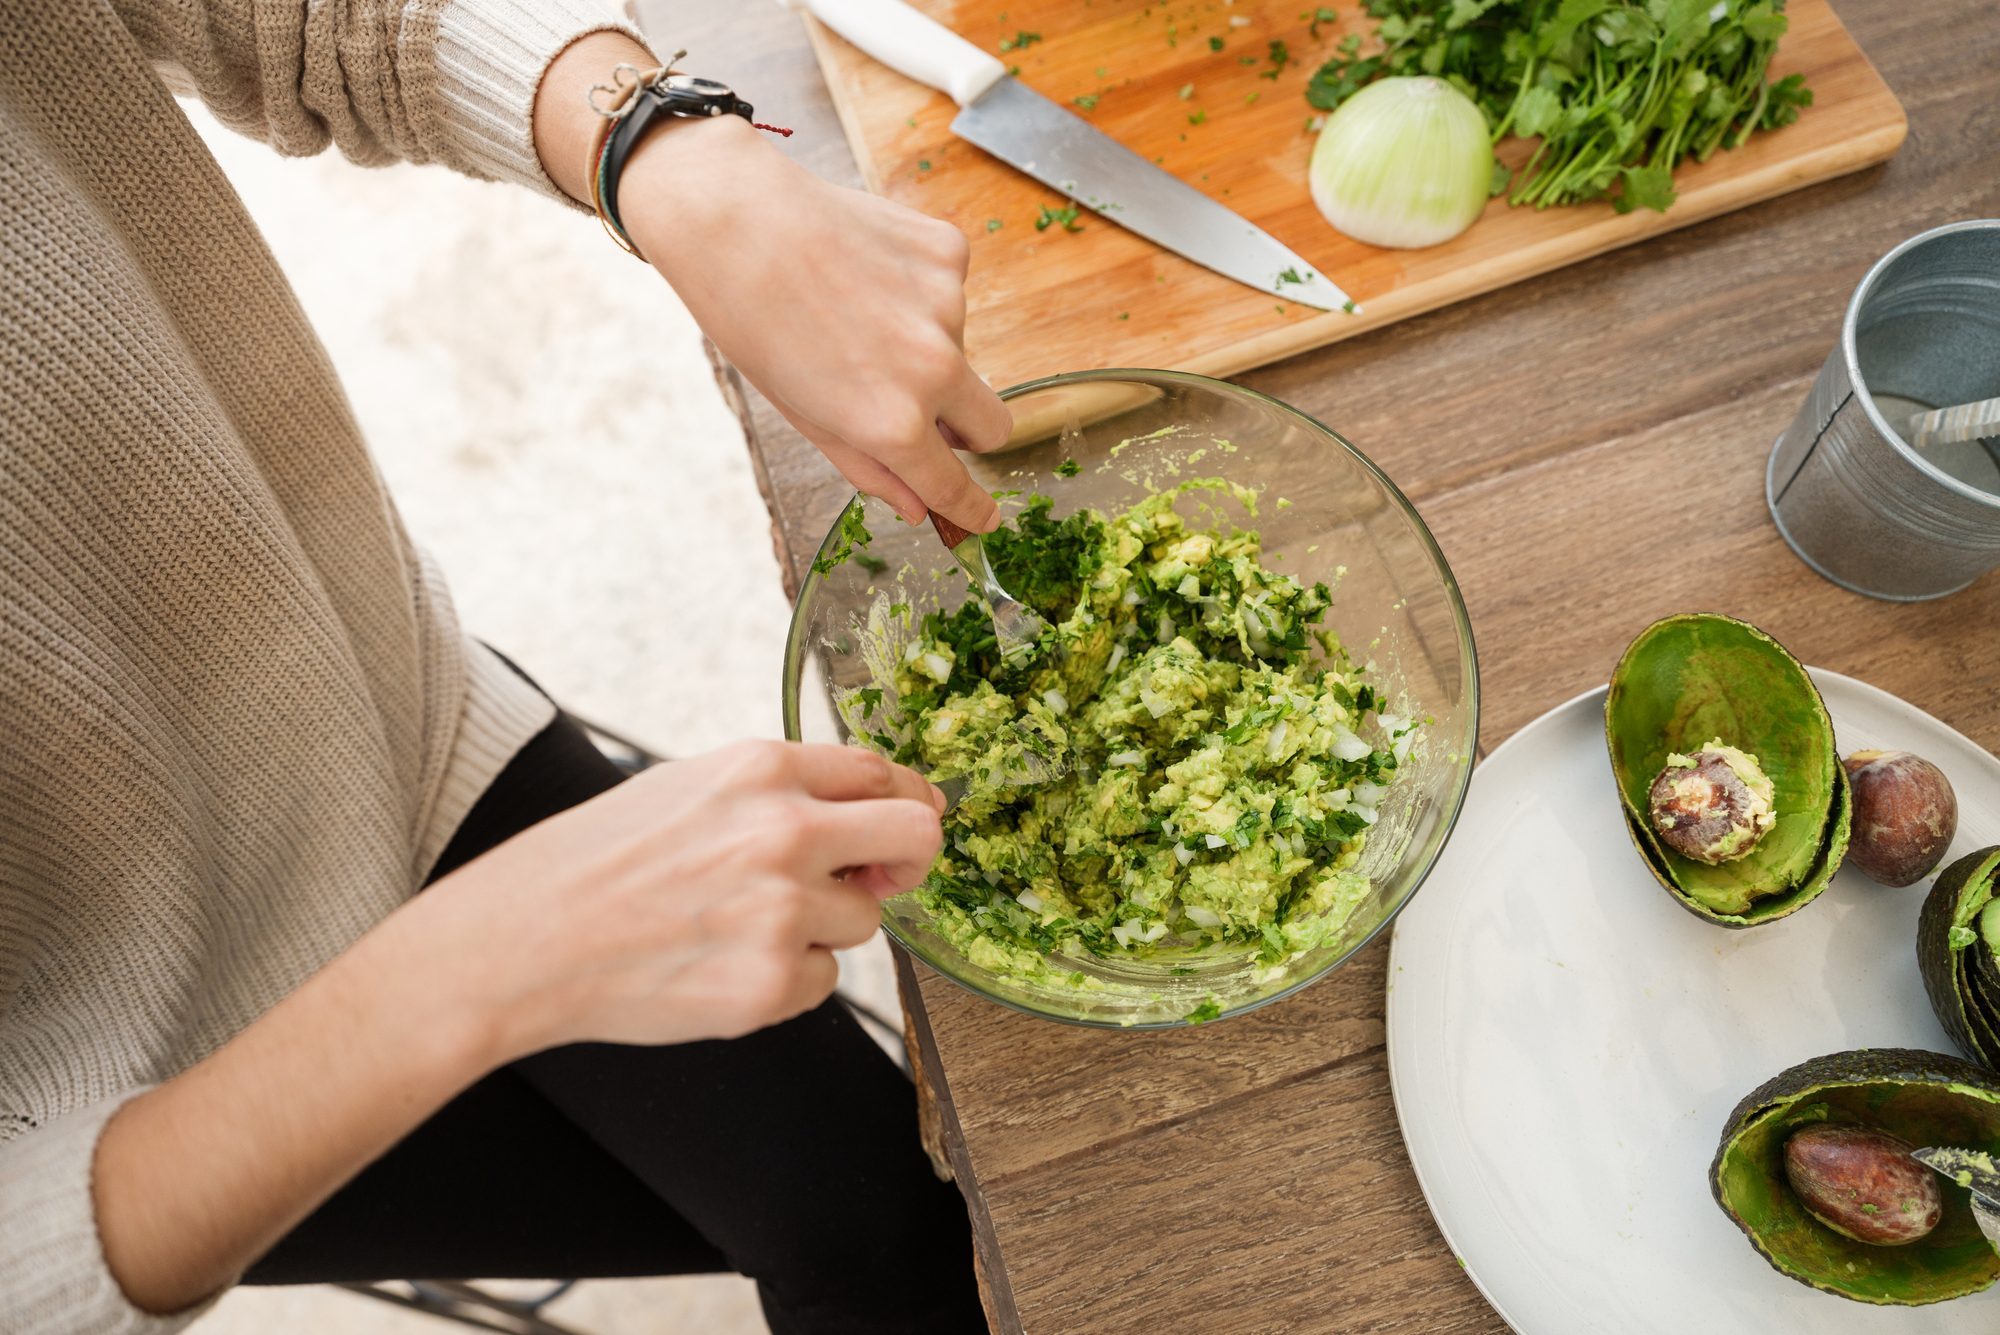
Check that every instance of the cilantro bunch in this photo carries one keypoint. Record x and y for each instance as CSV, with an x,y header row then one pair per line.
x,y
1617,91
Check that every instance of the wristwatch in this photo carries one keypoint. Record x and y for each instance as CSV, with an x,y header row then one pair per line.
x,y
669,97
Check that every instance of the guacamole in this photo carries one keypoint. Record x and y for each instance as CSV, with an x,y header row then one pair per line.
x,y
1187,761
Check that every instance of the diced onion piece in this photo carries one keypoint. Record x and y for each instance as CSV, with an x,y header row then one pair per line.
x,y
1057,702
1282,844
1031,901
1369,815
1156,704
1214,840
1117,657
913,651
936,666
1368,794
1391,723
1125,759
990,876
1167,827
1153,932
1183,855
1276,746
1164,630
1133,598
1347,746
1401,746
1335,799
1202,917
1189,587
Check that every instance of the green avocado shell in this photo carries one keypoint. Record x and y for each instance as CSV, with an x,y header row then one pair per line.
x,y
1688,679
1960,979
1926,1098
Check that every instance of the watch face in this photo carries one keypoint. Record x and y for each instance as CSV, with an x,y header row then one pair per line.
x,y
695,86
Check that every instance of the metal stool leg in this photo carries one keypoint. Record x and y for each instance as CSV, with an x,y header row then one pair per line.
x,y
471,1306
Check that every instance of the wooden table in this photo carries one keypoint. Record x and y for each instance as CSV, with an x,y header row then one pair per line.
x,y
1589,449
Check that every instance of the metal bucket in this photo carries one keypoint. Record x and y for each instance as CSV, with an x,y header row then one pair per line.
x,y
1853,499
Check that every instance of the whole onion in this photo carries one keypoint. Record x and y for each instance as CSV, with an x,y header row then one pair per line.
x,y
1404,163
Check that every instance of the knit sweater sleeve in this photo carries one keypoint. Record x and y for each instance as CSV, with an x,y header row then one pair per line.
x,y
53,1276
450,81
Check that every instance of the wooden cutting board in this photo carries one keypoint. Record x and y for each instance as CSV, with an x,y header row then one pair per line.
x,y
1054,300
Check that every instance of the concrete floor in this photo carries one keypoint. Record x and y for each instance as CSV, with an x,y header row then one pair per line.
x,y
542,408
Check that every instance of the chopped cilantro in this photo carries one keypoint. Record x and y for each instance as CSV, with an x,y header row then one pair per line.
x,y
1215,43
1066,215
850,533
1020,41
1280,56
1198,116
992,224
1208,1010
1324,14
870,698
1068,468
1088,101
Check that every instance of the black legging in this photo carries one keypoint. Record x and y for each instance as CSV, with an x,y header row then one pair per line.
x,y
790,1155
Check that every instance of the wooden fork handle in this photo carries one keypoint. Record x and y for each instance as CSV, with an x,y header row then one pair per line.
x,y
949,533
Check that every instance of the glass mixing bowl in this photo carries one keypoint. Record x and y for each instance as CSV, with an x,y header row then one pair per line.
x,y
1395,604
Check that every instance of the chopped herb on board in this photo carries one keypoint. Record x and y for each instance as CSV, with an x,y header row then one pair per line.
x,y
1088,101
1323,14
993,224
1280,56
1198,116
1215,44
1020,41
1066,216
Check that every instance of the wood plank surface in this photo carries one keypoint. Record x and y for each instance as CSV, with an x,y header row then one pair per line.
x,y
1054,300
1555,434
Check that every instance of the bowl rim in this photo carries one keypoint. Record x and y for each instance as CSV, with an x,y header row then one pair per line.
x,y
792,670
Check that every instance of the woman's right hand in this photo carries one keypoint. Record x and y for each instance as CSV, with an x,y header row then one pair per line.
x,y
701,899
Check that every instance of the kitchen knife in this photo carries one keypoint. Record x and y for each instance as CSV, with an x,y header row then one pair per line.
x,y
1973,1170
1034,135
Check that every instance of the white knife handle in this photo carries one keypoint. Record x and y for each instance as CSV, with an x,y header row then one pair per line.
x,y
910,43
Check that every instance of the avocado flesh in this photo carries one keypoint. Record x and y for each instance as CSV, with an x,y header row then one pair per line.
x,y
1955,954
1688,679
1924,1097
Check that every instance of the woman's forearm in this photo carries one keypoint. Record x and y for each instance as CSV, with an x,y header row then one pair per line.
x,y
196,1179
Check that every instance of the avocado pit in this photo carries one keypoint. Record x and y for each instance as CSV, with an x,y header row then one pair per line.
x,y
1863,1184
1712,806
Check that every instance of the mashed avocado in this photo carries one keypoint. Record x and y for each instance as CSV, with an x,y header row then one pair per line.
x,y
1211,782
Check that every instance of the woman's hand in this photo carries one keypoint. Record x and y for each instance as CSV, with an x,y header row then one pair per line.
x,y
845,310
702,899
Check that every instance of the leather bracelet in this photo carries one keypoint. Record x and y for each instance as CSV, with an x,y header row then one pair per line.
x,y
663,97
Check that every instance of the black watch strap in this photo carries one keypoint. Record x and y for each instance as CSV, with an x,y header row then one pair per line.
x,y
672,97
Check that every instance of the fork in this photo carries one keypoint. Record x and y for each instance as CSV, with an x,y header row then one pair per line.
x,y
1018,628
1015,624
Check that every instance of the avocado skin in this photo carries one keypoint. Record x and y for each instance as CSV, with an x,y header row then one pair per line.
x,y
1954,993
1860,1066
1836,830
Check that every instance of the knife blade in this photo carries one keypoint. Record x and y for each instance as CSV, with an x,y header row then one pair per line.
x,y
1028,132
1976,1171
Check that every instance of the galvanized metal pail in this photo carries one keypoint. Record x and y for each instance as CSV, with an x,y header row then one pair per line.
x,y
1849,494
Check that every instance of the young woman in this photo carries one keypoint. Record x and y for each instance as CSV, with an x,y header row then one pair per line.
x,y
240,728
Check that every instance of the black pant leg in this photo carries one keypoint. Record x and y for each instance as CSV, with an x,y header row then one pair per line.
x,y
793,1152
497,1184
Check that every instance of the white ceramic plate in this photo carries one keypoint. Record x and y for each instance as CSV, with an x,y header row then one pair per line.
x,y
1565,1041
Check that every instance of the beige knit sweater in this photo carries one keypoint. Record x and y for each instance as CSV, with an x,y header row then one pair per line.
x,y
238,720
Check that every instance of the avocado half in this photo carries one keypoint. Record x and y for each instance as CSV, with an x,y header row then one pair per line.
x,y
1958,952
1926,1098
1691,678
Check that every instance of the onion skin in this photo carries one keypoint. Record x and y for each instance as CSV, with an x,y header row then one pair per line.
x,y
1404,163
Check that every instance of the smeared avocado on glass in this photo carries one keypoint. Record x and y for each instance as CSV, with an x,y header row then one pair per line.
x,y
1924,1098
1724,759
1219,756
1958,952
